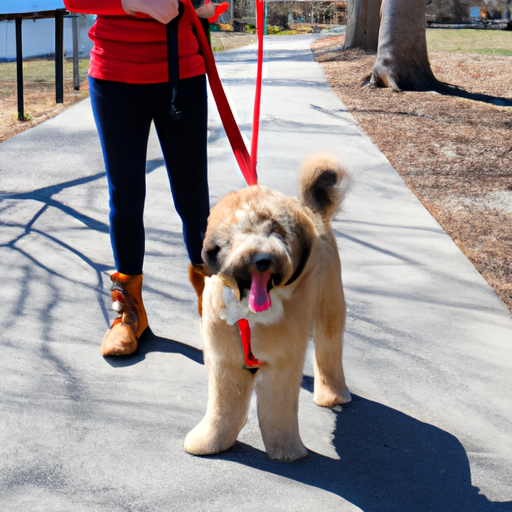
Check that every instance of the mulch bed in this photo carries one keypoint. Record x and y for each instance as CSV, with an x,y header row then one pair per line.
x,y
454,154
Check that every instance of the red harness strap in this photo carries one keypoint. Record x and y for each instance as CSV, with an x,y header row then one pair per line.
x,y
250,362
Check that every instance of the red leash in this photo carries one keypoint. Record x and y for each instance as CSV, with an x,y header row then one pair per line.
x,y
250,362
246,162
260,8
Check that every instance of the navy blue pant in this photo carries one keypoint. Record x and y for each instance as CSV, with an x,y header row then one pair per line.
x,y
124,113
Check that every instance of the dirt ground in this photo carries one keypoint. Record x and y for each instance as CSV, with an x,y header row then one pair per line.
x,y
39,102
454,154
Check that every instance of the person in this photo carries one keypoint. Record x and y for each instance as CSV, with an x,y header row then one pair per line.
x,y
131,88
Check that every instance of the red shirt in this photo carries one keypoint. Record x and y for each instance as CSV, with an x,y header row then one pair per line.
x,y
133,49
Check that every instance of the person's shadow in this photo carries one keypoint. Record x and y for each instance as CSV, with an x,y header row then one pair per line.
x,y
388,461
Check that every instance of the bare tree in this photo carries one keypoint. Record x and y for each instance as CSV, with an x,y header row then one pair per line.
x,y
362,25
402,58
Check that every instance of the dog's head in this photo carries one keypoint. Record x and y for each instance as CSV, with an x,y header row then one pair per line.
x,y
257,239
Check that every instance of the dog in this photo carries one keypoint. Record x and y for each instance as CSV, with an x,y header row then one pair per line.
x,y
273,261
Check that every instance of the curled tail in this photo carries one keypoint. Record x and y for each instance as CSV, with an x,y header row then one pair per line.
x,y
323,184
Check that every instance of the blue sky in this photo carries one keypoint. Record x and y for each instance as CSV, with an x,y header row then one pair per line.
x,y
21,6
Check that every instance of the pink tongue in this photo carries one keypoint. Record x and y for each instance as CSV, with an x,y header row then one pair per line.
x,y
259,299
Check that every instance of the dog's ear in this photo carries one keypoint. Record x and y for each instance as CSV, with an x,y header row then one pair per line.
x,y
212,265
210,254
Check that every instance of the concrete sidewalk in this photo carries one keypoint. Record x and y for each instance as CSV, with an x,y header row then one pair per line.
x,y
428,350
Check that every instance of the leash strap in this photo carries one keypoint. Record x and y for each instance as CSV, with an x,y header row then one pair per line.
x,y
173,61
260,8
246,162
230,126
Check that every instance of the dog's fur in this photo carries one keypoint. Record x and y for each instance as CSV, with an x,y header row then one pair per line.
x,y
248,231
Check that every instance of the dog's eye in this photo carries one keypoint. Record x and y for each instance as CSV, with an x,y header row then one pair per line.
x,y
276,228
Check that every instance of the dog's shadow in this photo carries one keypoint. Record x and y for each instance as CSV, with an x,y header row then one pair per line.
x,y
388,462
149,342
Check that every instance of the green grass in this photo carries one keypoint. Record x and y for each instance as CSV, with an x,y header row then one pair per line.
x,y
490,42
40,70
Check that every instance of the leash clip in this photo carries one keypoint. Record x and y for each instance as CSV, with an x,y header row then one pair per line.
x,y
174,113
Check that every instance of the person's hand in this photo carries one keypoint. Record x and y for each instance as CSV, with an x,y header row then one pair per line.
x,y
211,10
207,10
162,10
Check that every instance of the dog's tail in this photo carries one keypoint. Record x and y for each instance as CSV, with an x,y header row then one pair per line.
x,y
323,184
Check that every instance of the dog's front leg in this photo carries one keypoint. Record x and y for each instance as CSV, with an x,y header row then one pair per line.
x,y
277,390
229,385
229,394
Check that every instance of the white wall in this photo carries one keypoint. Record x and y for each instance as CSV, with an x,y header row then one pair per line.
x,y
38,38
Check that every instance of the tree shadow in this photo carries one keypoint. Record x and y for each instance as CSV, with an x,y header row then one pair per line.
x,y
48,197
388,461
150,342
446,89
432,84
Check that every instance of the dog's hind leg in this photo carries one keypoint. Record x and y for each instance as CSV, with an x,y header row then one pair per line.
x,y
330,388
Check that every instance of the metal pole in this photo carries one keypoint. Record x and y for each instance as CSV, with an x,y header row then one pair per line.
x,y
265,18
19,69
76,57
59,56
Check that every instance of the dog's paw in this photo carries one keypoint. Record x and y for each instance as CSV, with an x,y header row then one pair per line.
x,y
203,441
325,396
289,453
196,444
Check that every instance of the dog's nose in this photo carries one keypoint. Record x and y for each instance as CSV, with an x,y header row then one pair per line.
x,y
263,265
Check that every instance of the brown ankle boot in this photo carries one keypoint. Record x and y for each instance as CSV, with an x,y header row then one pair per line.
x,y
196,275
121,338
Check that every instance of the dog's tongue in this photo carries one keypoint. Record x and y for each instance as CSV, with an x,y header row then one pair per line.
x,y
259,299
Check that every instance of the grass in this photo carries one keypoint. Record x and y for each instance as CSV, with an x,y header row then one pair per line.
x,y
40,70
489,42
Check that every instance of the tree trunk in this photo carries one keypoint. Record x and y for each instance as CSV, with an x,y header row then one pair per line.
x,y
362,25
402,58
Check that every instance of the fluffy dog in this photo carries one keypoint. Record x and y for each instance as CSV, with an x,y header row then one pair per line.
x,y
273,261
